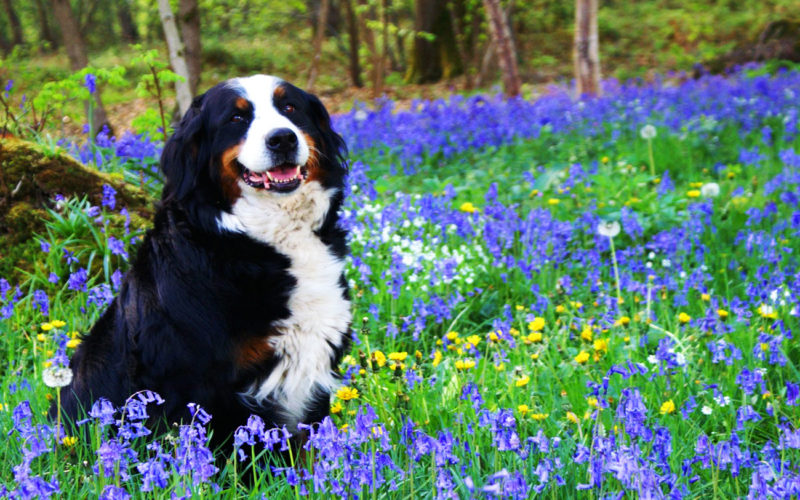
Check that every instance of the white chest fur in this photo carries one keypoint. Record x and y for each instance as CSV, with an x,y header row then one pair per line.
x,y
319,314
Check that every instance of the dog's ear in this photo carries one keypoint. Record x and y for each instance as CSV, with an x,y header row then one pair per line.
x,y
334,147
180,160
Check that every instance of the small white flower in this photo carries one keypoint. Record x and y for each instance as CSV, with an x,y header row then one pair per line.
x,y
710,190
652,359
666,263
57,376
651,255
706,410
609,229
648,132
360,115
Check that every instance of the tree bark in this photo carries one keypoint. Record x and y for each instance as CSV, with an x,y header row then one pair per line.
x,y
78,59
319,37
128,30
504,44
45,32
352,34
586,50
189,21
177,55
13,20
433,59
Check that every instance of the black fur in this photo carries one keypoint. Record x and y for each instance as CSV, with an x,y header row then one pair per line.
x,y
195,294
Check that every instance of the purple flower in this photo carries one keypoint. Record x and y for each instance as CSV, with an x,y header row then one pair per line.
x,y
90,81
41,302
109,197
117,247
77,280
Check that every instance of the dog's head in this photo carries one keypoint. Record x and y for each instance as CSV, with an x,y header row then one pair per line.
x,y
253,136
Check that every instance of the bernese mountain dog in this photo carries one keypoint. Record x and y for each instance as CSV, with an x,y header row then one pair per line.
x,y
236,299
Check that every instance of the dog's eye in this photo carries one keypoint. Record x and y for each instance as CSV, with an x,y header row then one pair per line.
x,y
288,108
237,118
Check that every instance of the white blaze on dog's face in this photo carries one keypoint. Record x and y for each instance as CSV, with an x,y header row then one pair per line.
x,y
275,152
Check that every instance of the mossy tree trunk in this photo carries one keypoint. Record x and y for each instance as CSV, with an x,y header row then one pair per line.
x,y
436,58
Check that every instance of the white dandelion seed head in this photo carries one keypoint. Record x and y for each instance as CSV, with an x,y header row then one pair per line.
x,y
706,410
648,132
608,228
57,376
710,190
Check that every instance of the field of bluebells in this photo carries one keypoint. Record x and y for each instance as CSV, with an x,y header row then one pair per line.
x,y
595,298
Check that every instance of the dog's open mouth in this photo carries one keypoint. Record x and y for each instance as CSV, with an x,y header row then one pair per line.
x,y
283,178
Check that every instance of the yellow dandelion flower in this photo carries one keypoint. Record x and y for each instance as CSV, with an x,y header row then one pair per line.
x,y
560,308
336,408
501,367
667,407
535,356
41,337
586,333
47,326
592,402
764,346
380,358
693,193
600,345
604,159
493,337
347,393
73,343
553,201
398,356
451,336
684,318
474,340
437,358
705,297
536,325
722,313
468,207
57,323
513,331
465,364
535,337
523,381
622,321
519,307
523,409
344,427
572,417
69,441
539,416
582,357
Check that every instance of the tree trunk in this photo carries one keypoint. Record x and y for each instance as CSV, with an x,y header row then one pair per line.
x,y
506,53
76,52
128,30
176,55
586,51
433,59
319,37
45,32
352,34
189,21
13,20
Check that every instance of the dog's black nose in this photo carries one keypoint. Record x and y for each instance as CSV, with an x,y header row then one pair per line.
x,y
282,140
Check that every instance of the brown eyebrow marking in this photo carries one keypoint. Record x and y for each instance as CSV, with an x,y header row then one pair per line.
x,y
242,103
279,92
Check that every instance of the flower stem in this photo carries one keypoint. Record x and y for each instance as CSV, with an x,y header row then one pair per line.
x,y
616,270
652,161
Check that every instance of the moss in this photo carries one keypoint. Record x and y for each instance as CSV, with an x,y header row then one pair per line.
x,y
30,177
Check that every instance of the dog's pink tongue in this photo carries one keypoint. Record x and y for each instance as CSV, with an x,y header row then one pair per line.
x,y
284,173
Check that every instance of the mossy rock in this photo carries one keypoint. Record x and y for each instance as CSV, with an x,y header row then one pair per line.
x,y
30,178
778,41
